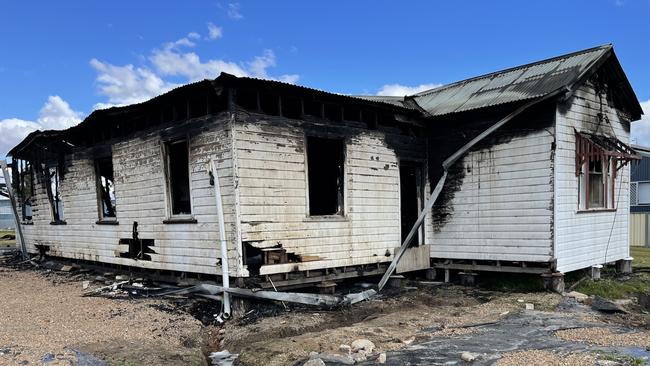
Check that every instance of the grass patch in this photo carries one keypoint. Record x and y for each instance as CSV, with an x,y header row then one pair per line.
x,y
7,243
624,360
641,256
610,288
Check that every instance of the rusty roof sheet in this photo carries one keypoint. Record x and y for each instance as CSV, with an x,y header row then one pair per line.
x,y
511,85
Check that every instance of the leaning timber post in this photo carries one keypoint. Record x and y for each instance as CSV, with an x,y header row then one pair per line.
x,y
19,230
222,239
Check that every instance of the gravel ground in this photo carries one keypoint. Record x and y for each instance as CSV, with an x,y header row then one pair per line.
x,y
606,337
545,358
42,319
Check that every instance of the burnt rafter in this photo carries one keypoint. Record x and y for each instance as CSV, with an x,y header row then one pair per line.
x,y
591,147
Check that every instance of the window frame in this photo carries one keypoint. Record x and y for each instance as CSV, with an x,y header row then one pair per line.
x,y
57,213
99,188
638,202
613,155
608,185
25,198
172,218
343,214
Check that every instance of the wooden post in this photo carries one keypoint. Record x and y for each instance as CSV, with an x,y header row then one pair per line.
x,y
12,198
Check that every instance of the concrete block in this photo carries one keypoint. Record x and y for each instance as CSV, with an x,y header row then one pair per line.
x,y
594,272
553,282
624,265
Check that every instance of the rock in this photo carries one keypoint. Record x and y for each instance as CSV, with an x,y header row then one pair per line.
x,y
47,358
314,362
121,278
579,296
468,357
334,358
101,279
530,306
345,349
85,284
223,357
363,344
66,268
359,357
313,354
520,300
381,358
606,306
623,302
408,341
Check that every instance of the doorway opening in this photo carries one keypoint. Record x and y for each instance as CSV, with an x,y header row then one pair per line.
x,y
410,181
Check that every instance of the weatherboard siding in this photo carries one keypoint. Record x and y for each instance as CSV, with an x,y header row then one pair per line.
x,y
140,194
587,238
272,185
502,209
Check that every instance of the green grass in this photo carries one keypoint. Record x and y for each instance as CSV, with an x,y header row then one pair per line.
x,y
624,360
6,243
641,256
610,288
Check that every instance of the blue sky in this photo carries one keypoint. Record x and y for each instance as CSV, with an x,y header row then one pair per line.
x,y
61,60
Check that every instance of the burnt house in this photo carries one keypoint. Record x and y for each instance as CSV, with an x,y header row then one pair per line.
x,y
532,162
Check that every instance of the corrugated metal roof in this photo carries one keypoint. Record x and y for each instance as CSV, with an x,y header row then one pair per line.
x,y
397,101
511,85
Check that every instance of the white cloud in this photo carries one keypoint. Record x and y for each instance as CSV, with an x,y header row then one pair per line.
x,y
233,11
173,60
641,129
258,68
214,32
402,90
127,84
12,131
56,114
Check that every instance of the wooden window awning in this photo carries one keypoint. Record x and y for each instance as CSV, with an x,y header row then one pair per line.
x,y
591,147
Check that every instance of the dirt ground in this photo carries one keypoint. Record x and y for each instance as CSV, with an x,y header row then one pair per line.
x,y
46,320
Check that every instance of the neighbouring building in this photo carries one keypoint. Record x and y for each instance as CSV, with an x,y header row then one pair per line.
x,y
316,185
640,198
6,216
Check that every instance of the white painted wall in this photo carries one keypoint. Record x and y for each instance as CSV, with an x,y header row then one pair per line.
x,y
140,193
503,209
584,239
272,186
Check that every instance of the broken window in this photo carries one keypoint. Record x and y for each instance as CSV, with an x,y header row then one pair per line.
x,y
325,159
24,187
598,159
105,188
178,177
53,175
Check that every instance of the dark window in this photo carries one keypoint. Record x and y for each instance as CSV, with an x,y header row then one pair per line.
x,y
53,176
105,188
179,177
325,159
596,184
25,187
